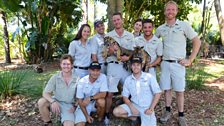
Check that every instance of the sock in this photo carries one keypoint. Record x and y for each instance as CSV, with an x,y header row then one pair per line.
x,y
181,114
168,108
107,115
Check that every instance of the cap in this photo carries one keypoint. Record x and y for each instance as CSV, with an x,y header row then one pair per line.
x,y
136,60
94,65
97,22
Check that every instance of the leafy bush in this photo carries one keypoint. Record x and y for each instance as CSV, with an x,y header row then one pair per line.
x,y
10,82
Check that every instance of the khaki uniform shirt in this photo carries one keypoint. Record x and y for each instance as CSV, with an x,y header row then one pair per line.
x,y
154,47
174,39
61,91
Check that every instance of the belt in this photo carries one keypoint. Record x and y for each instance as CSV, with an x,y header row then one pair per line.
x,y
172,61
103,63
84,68
113,62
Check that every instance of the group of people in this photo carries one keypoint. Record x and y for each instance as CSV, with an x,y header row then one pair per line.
x,y
87,81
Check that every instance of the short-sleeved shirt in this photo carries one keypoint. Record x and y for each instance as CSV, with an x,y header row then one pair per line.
x,y
125,41
174,39
62,92
142,90
97,41
80,53
154,47
86,89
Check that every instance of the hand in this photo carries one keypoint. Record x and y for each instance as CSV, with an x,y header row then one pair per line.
x,y
134,111
72,109
110,50
149,111
55,108
185,62
86,101
89,119
124,58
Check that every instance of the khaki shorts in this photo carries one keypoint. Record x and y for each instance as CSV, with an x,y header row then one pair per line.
x,y
172,76
146,120
80,117
115,74
65,114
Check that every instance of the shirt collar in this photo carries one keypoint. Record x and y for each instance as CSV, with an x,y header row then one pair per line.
x,y
176,23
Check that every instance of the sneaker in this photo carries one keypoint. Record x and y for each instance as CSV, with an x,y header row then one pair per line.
x,y
165,117
182,121
136,122
106,121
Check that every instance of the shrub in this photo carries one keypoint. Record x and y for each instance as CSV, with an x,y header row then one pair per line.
x,y
10,82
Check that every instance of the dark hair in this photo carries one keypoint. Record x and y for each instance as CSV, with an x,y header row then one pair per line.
x,y
147,21
65,57
79,34
138,20
118,13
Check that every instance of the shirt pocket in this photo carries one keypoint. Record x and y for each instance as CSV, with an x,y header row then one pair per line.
x,y
86,91
95,90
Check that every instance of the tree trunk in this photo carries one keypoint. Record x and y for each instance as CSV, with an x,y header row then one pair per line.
x,y
220,19
6,38
113,6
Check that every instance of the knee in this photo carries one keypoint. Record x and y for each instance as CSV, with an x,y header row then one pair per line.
x,y
116,111
42,102
101,102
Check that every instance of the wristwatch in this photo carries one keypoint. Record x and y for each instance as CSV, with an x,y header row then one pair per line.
x,y
91,98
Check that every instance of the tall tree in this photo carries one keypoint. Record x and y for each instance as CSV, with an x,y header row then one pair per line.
x,y
220,18
6,37
113,6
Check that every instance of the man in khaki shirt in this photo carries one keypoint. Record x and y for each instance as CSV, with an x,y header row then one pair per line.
x,y
115,70
174,34
152,45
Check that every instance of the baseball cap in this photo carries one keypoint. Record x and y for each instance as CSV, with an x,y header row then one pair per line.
x,y
136,60
97,22
94,65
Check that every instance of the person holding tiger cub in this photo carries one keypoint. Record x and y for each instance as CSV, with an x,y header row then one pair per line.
x,y
151,44
115,71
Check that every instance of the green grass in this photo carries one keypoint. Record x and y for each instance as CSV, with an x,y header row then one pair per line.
x,y
199,74
34,83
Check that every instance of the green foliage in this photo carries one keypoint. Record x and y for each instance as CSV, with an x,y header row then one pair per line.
x,y
10,82
44,23
134,9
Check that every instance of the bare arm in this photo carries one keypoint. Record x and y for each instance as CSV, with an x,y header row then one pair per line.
x,y
155,100
83,103
94,57
54,104
157,61
196,46
99,95
134,111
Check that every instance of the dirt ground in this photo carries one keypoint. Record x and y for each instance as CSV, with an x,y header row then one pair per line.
x,y
202,108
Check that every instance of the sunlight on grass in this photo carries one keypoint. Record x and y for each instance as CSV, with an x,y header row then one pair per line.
x,y
34,83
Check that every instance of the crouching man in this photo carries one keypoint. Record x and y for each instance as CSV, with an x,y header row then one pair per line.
x,y
145,94
63,87
91,92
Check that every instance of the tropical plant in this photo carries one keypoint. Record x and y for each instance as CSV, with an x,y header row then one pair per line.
x,y
10,82
43,21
